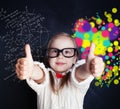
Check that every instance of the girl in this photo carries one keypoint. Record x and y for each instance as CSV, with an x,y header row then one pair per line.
x,y
65,81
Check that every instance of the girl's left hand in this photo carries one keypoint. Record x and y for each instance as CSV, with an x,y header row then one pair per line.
x,y
95,64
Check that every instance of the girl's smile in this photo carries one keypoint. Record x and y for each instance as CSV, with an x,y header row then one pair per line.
x,y
60,63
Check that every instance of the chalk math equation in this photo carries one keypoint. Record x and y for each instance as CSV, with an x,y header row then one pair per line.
x,y
18,28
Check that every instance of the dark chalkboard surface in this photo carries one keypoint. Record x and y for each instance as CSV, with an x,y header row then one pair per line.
x,y
34,22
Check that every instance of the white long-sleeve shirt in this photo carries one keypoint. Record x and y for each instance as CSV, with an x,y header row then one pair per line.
x,y
70,97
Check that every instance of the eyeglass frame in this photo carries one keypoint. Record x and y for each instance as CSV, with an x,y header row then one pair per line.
x,y
60,51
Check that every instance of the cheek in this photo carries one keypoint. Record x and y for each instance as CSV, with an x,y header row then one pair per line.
x,y
71,61
74,60
52,62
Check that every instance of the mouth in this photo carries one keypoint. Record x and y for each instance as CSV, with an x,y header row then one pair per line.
x,y
60,63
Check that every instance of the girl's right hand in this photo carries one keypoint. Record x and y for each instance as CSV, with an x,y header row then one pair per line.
x,y
24,66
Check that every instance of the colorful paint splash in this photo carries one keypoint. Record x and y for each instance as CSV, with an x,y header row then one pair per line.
x,y
105,33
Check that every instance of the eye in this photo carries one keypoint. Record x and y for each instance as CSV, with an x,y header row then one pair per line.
x,y
53,50
67,51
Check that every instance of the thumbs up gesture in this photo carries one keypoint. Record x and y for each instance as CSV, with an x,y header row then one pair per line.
x,y
94,64
24,66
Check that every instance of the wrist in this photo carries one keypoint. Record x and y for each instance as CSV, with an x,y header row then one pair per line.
x,y
36,72
84,73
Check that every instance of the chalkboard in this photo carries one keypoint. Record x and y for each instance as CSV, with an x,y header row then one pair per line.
x,y
34,22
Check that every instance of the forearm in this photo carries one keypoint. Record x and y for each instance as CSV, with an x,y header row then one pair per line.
x,y
37,74
82,73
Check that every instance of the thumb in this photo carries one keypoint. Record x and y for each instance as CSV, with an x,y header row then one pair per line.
x,y
29,58
28,52
90,57
91,53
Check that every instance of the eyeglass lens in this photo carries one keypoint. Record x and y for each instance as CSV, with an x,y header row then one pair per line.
x,y
66,52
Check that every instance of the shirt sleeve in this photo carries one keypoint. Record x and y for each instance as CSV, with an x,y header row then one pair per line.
x,y
84,85
35,86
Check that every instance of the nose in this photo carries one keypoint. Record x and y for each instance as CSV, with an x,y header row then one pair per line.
x,y
60,55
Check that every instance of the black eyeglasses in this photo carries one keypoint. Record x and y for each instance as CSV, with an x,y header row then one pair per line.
x,y
66,52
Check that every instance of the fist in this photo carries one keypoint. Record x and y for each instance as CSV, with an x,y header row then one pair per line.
x,y
24,66
95,64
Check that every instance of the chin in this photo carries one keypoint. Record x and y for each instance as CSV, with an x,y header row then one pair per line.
x,y
61,71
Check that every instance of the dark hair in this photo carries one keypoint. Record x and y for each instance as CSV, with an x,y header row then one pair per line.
x,y
66,78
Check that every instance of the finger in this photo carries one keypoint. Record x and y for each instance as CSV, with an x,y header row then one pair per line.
x,y
21,75
22,68
17,72
91,56
97,74
97,60
16,67
28,51
96,69
22,61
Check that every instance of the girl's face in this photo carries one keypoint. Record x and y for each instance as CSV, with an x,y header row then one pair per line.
x,y
62,64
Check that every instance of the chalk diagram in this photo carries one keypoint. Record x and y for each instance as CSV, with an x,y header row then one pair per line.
x,y
17,29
